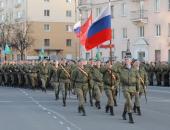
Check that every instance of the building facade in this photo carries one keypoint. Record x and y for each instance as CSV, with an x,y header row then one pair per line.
x,y
51,24
144,25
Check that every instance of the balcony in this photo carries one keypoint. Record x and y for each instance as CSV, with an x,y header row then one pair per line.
x,y
84,4
139,17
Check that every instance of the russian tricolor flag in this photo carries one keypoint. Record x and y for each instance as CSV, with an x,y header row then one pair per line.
x,y
100,30
77,29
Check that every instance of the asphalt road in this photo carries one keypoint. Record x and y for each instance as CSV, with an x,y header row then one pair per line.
x,y
22,109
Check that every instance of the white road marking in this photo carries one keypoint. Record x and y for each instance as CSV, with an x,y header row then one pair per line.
x,y
57,114
5,101
160,91
54,117
61,123
49,113
68,128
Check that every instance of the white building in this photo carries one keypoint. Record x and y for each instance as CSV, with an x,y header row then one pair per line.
x,y
146,23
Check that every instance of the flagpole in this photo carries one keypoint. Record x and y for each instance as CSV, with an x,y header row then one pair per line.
x,y
91,11
76,21
110,40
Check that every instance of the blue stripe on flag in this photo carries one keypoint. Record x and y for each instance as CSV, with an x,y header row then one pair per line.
x,y
100,25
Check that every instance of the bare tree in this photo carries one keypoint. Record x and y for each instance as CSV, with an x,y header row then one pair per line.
x,y
5,34
21,38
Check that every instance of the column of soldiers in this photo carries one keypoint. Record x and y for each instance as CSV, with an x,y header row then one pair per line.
x,y
91,78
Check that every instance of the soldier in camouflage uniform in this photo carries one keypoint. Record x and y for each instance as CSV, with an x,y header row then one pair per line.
x,y
54,81
97,82
129,79
144,77
79,78
110,79
43,74
64,79
32,76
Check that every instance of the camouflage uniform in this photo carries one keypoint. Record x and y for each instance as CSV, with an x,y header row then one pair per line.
x,y
130,85
80,81
110,79
97,84
43,75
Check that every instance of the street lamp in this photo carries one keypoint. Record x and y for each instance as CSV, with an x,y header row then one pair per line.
x,y
128,52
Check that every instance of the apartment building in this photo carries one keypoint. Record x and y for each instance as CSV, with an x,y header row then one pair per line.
x,y
144,23
51,24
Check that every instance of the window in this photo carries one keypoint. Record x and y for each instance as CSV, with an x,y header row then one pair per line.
x,y
19,14
141,31
47,12
87,55
68,1
113,33
168,29
123,9
123,54
68,13
69,28
68,42
157,55
124,32
112,11
141,56
46,42
46,27
98,10
158,29
157,6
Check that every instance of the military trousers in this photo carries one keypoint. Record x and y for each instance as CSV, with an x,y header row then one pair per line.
x,y
129,93
81,91
96,91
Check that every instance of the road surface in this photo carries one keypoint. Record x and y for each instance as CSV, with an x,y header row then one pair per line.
x,y
24,109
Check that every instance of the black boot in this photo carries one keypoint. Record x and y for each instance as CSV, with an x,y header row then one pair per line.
x,y
107,109
130,118
56,96
134,108
97,104
99,107
124,115
64,102
138,111
79,109
83,110
111,111
115,103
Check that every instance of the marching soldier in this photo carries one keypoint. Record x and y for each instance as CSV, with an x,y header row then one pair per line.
x,y
80,77
143,79
110,79
43,74
129,78
64,79
97,83
33,75
55,80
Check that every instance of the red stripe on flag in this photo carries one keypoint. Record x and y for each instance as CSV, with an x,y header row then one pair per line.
x,y
98,39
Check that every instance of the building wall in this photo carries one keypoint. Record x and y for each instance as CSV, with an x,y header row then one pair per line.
x,y
57,36
150,42
32,11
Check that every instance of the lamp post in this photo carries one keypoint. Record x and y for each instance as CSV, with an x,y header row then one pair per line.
x,y
128,52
